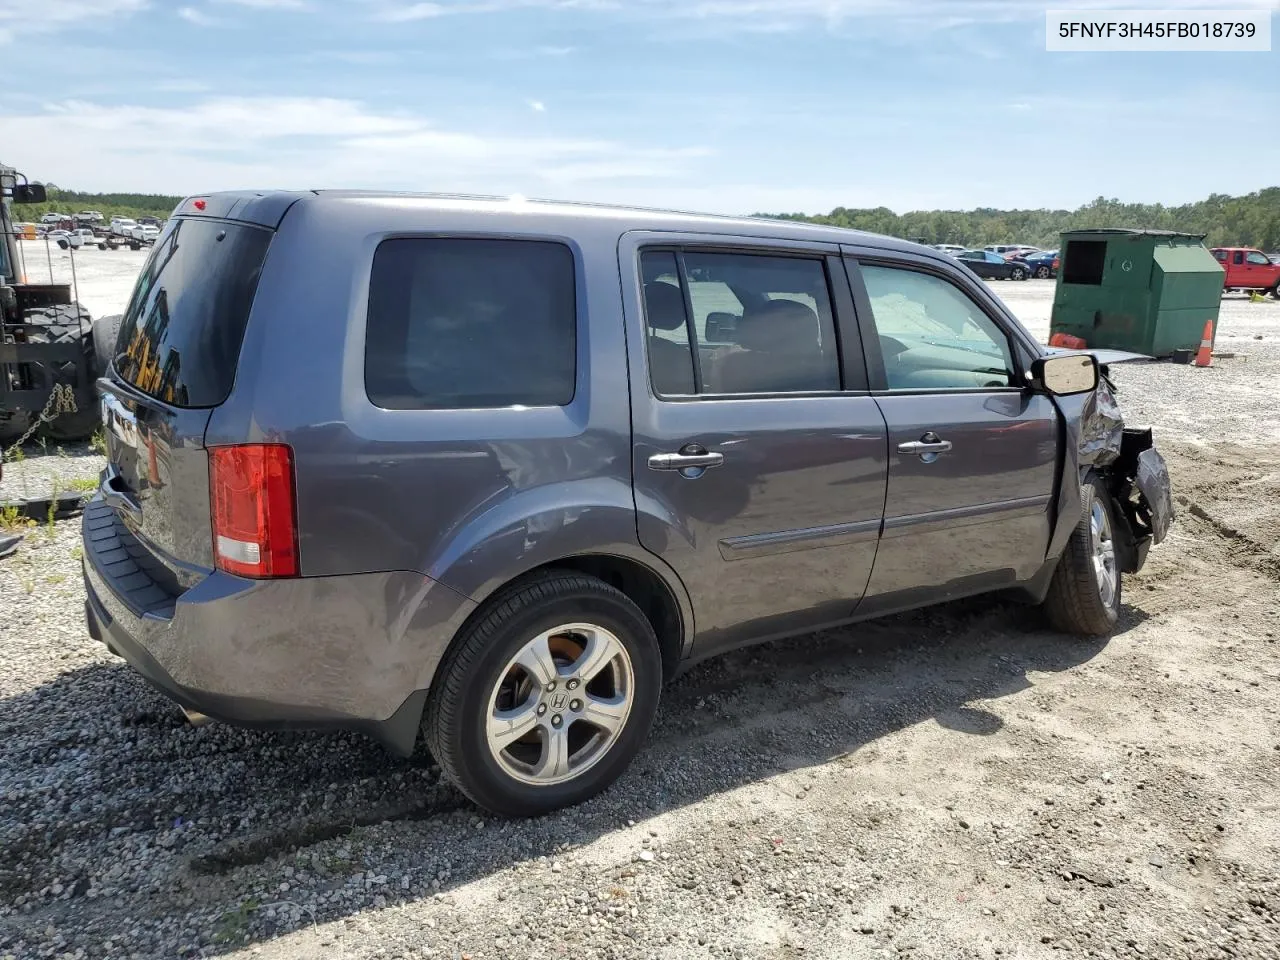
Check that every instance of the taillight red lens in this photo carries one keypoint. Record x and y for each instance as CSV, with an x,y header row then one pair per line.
x,y
251,493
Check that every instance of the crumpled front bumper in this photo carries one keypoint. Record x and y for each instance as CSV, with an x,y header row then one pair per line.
x,y
1139,481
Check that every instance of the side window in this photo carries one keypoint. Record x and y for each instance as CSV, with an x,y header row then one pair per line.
x,y
1237,257
466,323
1258,258
1221,255
757,324
932,335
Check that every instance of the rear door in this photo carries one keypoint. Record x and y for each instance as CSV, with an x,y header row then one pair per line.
x,y
175,360
972,455
759,464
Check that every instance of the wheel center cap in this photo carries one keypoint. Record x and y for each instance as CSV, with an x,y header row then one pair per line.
x,y
559,700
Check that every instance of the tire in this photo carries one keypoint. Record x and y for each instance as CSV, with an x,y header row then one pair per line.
x,y
106,331
1017,273
1078,601
1042,273
62,244
476,677
1275,291
65,323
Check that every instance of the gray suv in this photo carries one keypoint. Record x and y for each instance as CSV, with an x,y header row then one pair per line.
x,y
490,471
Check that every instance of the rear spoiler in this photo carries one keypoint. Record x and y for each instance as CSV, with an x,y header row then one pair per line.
x,y
265,208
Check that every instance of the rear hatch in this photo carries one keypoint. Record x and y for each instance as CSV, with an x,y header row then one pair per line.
x,y
175,361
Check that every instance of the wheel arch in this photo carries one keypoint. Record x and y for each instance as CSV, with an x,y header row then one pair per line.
x,y
661,598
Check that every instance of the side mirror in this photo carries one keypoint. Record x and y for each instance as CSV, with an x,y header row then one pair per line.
x,y
1066,374
29,193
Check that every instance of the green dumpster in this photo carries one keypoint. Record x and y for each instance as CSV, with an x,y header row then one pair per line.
x,y
1149,291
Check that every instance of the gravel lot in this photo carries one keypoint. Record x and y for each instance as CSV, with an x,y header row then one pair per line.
x,y
953,783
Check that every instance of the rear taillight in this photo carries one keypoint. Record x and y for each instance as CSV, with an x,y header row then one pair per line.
x,y
251,495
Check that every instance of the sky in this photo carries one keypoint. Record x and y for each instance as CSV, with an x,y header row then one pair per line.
x,y
728,106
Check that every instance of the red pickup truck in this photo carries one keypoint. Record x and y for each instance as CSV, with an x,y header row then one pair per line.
x,y
1248,269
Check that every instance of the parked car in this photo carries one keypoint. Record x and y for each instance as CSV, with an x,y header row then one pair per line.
x,y
1010,250
992,266
406,493
949,248
1248,269
1043,265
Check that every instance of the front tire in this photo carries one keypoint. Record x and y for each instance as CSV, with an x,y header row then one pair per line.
x,y
1017,273
1084,595
1042,273
546,697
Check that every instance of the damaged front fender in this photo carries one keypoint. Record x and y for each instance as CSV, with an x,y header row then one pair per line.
x,y
1134,473
1142,491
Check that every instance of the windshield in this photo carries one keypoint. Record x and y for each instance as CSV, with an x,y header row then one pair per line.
x,y
180,339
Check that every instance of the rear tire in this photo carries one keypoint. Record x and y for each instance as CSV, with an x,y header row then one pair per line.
x,y
1017,273
1084,594
1275,291
481,688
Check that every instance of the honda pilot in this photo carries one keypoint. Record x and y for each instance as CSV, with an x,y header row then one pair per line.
x,y
484,473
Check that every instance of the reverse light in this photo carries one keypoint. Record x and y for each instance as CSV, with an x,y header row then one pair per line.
x,y
251,495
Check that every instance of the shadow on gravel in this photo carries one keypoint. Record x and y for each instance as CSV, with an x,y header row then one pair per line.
x,y
142,820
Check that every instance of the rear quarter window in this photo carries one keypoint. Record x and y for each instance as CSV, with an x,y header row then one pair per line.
x,y
471,323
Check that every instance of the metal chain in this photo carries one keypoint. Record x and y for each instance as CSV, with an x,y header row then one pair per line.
x,y
61,400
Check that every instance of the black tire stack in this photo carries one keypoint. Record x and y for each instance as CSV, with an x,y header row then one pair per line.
x,y
61,323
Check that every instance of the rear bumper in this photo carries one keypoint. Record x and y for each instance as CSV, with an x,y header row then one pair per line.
x,y
355,652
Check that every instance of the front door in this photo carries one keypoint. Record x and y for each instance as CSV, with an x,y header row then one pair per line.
x,y
758,456
972,456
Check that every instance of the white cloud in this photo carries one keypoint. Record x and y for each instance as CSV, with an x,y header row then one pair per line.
x,y
268,4
224,143
415,11
771,16
197,17
39,16
537,106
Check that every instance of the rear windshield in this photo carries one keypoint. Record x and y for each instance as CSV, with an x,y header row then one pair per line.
x,y
180,338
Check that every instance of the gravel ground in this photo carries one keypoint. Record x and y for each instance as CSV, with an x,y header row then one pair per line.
x,y
958,782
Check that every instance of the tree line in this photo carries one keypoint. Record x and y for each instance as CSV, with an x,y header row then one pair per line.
x,y
108,204
1252,220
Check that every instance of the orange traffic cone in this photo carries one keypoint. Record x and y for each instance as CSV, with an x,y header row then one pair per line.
x,y
1204,356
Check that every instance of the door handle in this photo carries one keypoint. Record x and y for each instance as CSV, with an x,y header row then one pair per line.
x,y
926,448
684,461
692,461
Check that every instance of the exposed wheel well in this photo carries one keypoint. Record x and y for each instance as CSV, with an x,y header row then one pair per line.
x,y
644,588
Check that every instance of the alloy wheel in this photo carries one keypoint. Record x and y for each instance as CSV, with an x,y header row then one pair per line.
x,y
1104,553
560,704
